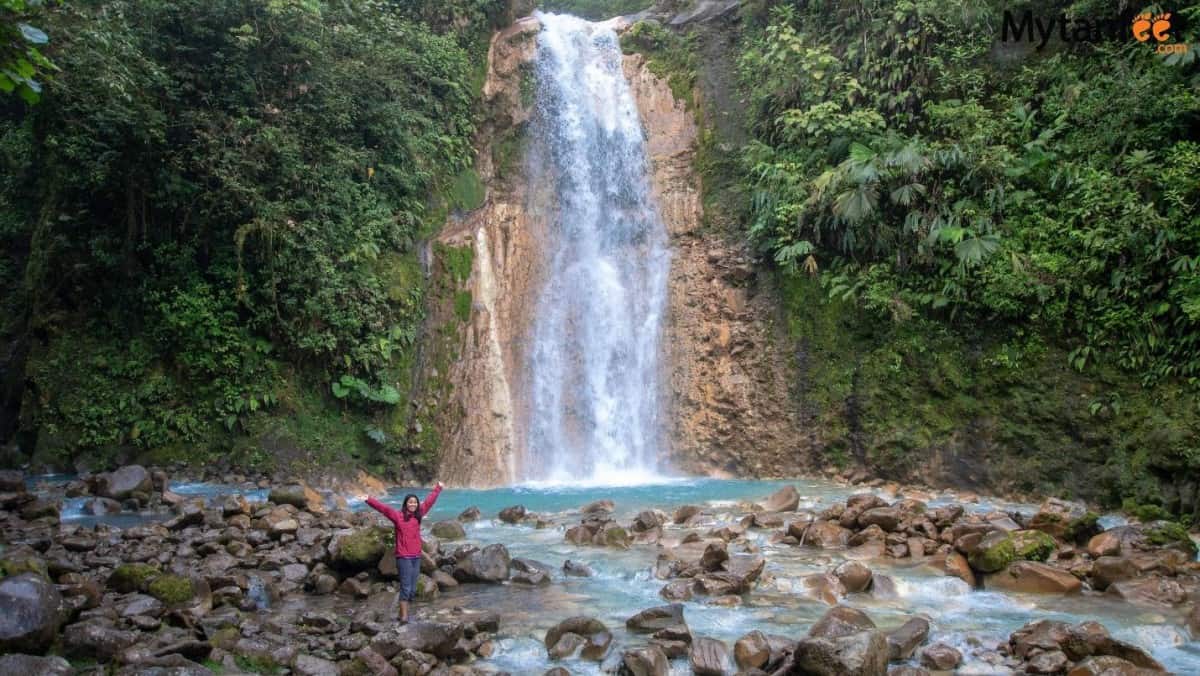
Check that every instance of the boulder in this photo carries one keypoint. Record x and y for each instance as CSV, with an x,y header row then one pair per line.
x,y
887,518
471,513
646,520
956,565
752,651
1035,578
822,534
12,481
842,621
1032,545
653,619
353,551
1107,665
566,646
130,577
576,569
311,665
825,587
598,507
512,514
647,661
1151,590
864,653
682,514
1110,542
940,657
854,576
31,613
93,640
785,499
434,638
130,481
1069,521
31,665
1048,662
1107,570
299,495
904,640
597,646
993,553
579,625
489,564
708,657
448,530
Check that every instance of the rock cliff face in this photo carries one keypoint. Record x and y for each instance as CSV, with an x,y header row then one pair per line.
x,y
729,410
476,418
727,404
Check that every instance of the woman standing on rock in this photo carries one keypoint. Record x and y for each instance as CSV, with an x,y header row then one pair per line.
x,y
408,541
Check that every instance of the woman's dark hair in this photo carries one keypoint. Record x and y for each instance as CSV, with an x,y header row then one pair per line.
x,y
404,508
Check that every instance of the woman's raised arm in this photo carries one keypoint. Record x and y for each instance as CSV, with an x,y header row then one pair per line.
x,y
431,498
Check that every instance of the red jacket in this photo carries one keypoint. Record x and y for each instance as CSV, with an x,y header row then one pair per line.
x,y
408,531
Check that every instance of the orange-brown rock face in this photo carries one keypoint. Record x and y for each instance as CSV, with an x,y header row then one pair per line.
x,y
729,409
477,422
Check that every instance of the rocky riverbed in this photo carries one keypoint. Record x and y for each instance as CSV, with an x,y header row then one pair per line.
x,y
842,583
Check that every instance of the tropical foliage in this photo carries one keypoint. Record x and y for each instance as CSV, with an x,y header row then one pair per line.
x,y
921,168
216,203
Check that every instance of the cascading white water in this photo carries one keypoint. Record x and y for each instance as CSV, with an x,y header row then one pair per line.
x,y
594,357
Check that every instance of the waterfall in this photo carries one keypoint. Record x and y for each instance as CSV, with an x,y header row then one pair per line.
x,y
594,353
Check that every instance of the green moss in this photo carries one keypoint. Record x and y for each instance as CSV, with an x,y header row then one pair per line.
x,y
1032,545
171,589
507,151
993,557
1164,533
131,577
257,664
1084,526
462,306
467,191
669,55
456,260
596,9
363,548
16,566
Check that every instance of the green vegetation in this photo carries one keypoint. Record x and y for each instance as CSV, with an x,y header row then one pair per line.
x,y
1032,545
172,590
131,577
595,9
209,222
669,55
21,63
989,255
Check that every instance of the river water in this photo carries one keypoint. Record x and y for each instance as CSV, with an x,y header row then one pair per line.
x,y
624,584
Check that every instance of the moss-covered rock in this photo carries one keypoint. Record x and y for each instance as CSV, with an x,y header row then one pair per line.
x,y
361,549
994,553
1032,545
172,590
15,563
1169,534
131,577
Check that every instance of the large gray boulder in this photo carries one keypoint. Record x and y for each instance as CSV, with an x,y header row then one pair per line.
x,y
435,638
652,619
130,481
862,654
489,564
31,613
785,499
32,665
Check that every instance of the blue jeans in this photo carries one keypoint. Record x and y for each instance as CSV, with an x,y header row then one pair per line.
x,y
408,569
